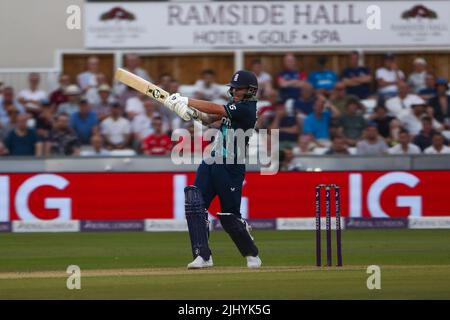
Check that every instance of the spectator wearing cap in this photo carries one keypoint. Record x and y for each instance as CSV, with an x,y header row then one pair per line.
x,y
103,106
412,121
356,77
338,146
404,145
206,88
62,140
305,102
339,97
437,145
8,103
429,91
116,129
84,122
88,78
264,79
382,120
402,102
92,95
287,124
290,79
317,124
352,122
97,148
73,94
58,96
424,139
23,141
388,77
416,79
440,104
32,97
157,143
373,143
323,79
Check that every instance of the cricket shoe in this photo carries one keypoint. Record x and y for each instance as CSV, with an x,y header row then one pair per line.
x,y
200,263
253,262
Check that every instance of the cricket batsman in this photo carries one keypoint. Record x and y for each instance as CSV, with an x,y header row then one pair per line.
x,y
222,179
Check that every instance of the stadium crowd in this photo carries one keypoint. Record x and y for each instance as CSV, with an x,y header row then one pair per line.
x,y
317,113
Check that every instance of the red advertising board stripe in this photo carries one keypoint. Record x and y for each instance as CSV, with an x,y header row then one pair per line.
x,y
125,196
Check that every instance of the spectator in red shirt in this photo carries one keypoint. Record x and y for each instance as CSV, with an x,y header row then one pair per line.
x,y
58,96
158,143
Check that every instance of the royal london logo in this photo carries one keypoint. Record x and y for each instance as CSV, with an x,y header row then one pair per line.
x,y
419,11
117,13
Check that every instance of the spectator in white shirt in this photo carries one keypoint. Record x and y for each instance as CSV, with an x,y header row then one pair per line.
x,y
206,88
32,97
388,76
404,145
88,78
401,104
98,149
135,106
438,146
264,79
417,78
116,129
141,125
413,120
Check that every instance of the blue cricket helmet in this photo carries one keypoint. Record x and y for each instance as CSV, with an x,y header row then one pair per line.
x,y
245,79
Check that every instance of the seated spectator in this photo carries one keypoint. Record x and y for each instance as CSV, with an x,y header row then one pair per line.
x,y
32,97
430,87
317,124
158,143
323,79
264,79
382,120
440,104
23,141
73,94
286,160
126,94
62,140
404,145
340,99
44,121
352,122
97,147
135,105
88,78
373,143
8,102
304,146
58,96
141,125
338,146
413,120
12,114
102,108
401,103
116,130
266,113
416,79
287,124
84,122
291,79
206,88
356,78
92,94
132,63
437,146
388,77
424,139
305,102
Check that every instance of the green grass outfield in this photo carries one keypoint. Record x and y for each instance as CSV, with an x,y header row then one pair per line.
x,y
415,264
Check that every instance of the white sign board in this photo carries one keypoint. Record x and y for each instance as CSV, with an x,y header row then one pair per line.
x,y
247,24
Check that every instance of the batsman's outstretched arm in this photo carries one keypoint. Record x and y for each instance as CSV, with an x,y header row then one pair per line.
x,y
207,112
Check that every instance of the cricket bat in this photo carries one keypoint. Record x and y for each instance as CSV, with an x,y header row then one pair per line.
x,y
144,86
